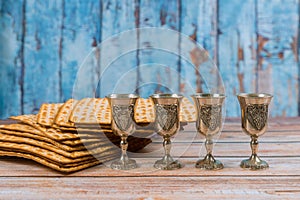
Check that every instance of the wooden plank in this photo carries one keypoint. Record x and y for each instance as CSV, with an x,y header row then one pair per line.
x,y
237,136
297,52
282,180
274,124
278,167
149,188
226,149
158,57
277,58
199,72
207,27
207,36
118,51
237,50
271,126
81,33
12,57
41,73
272,120
191,79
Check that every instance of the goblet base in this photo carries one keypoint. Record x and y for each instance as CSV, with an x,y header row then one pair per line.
x,y
124,164
167,163
254,163
209,163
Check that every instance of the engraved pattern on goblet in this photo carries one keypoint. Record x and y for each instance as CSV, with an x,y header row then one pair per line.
x,y
257,115
123,125
122,116
167,116
254,117
167,108
209,123
211,116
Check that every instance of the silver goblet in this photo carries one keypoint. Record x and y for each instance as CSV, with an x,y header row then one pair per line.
x,y
254,116
209,123
167,107
123,125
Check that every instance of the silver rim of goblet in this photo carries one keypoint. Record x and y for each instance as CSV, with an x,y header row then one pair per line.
x,y
255,95
208,95
122,96
166,96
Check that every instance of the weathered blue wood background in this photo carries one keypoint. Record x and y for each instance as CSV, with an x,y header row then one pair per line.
x,y
255,44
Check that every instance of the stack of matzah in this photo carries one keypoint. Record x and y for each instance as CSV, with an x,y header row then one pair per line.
x,y
77,134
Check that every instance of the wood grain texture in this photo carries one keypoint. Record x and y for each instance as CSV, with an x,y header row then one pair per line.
x,y
277,59
119,73
41,72
225,149
255,44
22,178
199,23
27,168
158,60
237,50
149,188
12,57
188,27
80,35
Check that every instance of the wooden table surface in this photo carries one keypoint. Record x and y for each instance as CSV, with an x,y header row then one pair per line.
x,y
280,147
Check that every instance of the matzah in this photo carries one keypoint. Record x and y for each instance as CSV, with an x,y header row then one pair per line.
x,y
144,111
50,164
187,111
91,111
45,139
41,152
47,114
63,115
100,145
52,133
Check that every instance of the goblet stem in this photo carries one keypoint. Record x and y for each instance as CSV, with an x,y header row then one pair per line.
x,y
167,146
209,145
209,162
124,146
254,145
167,162
254,162
124,163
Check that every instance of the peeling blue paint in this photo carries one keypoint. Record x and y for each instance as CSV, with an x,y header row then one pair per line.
x,y
254,43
